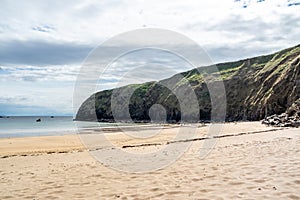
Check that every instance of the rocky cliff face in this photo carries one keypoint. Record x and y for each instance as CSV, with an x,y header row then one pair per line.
x,y
255,88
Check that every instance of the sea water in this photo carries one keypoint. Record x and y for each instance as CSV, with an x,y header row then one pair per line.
x,y
28,126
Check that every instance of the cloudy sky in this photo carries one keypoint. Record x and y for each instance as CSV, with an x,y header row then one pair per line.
x,y
43,43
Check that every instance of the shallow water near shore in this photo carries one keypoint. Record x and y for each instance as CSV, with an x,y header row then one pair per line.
x,y
23,126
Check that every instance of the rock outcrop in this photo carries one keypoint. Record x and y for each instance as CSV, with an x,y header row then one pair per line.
x,y
291,118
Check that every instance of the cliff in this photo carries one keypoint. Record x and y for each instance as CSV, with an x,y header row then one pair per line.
x,y
255,88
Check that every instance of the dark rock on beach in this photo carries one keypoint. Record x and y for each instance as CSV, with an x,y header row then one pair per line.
x,y
291,118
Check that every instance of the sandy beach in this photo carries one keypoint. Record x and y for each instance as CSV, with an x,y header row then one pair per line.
x,y
249,161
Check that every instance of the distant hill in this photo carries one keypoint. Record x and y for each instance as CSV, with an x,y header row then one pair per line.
x,y
254,86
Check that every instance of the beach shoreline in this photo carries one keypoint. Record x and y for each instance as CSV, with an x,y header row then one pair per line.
x,y
73,141
249,160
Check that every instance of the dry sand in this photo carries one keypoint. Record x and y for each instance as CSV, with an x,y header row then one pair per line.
x,y
249,161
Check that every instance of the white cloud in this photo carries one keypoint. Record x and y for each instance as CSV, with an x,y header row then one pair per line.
x,y
211,23
36,73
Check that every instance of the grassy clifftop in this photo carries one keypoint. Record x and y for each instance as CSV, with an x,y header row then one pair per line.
x,y
255,87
